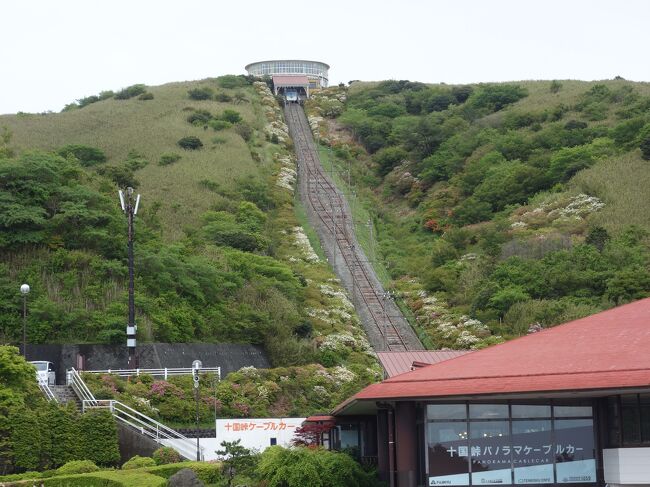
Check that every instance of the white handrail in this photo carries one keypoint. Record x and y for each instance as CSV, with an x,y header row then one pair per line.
x,y
79,387
47,391
127,415
147,426
164,372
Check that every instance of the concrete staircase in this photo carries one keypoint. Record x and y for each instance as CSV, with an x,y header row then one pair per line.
x,y
65,394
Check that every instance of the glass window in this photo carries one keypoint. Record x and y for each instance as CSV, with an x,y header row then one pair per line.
x,y
349,436
447,411
644,401
448,453
488,411
530,411
630,419
571,411
532,451
575,455
489,450
613,422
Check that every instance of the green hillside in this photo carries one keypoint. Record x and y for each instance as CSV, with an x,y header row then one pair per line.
x,y
222,253
500,208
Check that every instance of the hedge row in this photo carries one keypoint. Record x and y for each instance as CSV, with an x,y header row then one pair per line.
x,y
209,473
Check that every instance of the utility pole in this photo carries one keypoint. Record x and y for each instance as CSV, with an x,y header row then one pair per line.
x,y
24,290
129,204
196,369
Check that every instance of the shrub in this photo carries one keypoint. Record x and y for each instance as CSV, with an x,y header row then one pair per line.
x,y
231,116
190,143
87,156
244,130
138,462
495,97
166,455
555,87
222,97
199,117
146,96
77,466
202,93
218,125
99,437
388,158
130,92
645,148
168,158
232,81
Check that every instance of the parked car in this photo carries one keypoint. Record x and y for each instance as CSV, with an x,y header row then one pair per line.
x,y
45,373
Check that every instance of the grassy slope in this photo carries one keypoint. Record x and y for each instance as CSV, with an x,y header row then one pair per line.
x,y
151,128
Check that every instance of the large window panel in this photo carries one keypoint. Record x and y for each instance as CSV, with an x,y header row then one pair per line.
x,y
448,453
532,451
575,455
489,449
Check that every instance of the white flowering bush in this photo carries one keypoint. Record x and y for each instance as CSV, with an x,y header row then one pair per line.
x,y
302,242
556,210
445,328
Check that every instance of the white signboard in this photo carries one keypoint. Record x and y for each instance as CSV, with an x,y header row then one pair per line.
x,y
258,433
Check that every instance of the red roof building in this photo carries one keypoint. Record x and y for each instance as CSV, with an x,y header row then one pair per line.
x,y
582,387
395,363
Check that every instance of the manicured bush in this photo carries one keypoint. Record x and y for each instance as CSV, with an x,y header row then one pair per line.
x,y
130,92
168,158
165,455
86,155
190,143
202,93
99,433
138,462
77,466
209,473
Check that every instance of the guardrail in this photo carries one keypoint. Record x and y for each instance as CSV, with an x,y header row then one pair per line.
x,y
49,395
142,423
165,372
79,387
147,426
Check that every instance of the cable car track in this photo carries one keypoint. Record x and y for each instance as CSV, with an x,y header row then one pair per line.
x,y
331,209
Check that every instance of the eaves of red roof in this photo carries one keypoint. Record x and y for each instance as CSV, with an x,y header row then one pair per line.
x,y
603,351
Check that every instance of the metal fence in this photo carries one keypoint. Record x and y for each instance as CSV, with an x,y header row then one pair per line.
x,y
165,372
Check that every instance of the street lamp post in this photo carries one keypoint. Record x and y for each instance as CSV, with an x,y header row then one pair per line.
x,y
129,203
24,290
196,368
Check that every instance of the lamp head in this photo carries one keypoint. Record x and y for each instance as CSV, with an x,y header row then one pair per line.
x,y
24,289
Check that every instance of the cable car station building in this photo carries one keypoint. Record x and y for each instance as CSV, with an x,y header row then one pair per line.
x,y
568,406
292,75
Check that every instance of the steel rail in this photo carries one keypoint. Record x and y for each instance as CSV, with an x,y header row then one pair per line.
x,y
322,193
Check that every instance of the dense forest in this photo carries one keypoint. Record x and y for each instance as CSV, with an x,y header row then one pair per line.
x,y
501,208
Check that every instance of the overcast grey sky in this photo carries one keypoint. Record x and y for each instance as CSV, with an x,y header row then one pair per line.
x,y
53,52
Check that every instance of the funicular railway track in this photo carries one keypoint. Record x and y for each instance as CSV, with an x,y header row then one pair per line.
x,y
387,329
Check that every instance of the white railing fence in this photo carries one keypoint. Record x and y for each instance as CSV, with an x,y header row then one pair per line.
x,y
79,387
135,419
147,426
45,388
165,372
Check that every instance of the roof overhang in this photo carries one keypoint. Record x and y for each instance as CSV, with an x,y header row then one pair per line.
x,y
354,406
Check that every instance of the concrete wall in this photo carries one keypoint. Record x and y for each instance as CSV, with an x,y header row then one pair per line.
x,y
133,443
627,466
230,357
